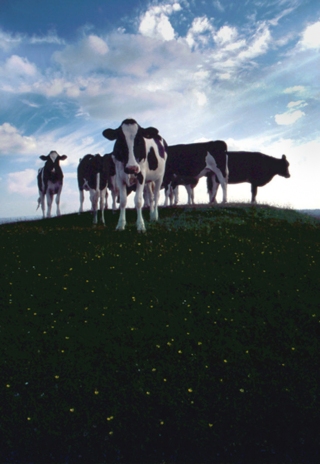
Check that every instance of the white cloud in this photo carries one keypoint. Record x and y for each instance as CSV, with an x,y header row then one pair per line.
x,y
292,115
97,45
295,89
84,56
225,35
201,98
155,22
235,50
13,143
23,182
200,32
259,44
288,118
57,86
17,66
311,36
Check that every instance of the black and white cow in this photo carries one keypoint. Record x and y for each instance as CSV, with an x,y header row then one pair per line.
x,y
96,174
140,157
256,168
193,161
50,181
188,182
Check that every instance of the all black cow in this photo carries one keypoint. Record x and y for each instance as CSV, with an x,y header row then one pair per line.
x,y
256,168
195,160
50,181
96,174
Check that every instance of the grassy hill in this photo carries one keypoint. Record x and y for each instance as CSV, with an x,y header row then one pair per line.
x,y
198,341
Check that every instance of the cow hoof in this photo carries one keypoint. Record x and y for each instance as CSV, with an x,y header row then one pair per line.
x,y
141,227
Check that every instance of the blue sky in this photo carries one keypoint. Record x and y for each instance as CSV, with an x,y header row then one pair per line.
x,y
244,72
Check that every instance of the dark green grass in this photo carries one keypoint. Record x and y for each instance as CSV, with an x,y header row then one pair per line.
x,y
197,341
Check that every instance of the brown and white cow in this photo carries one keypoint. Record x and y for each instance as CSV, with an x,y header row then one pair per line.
x,y
50,181
140,156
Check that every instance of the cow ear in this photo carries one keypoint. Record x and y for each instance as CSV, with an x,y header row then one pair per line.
x,y
284,157
149,132
63,157
43,157
110,134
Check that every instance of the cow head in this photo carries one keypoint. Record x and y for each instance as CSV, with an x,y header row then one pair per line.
x,y
129,147
52,162
53,157
284,167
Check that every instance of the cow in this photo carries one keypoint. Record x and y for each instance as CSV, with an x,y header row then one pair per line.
x,y
96,174
188,182
193,161
256,168
140,156
50,181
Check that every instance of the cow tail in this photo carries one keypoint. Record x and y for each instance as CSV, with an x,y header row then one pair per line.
x,y
227,169
39,201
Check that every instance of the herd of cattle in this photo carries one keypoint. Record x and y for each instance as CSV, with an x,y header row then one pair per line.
x,y
142,161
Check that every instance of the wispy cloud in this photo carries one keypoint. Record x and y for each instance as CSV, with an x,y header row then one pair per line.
x,y
9,41
50,38
154,72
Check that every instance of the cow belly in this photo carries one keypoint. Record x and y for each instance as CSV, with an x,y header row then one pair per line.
x,y
237,180
53,189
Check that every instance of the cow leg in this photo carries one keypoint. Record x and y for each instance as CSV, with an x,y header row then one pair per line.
x,y
175,196
115,195
114,200
49,196
167,191
190,194
42,202
212,165
123,203
81,201
114,192
154,214
213,186
106,199
103,202
58,201
138,200
254,191
147,196
94,198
